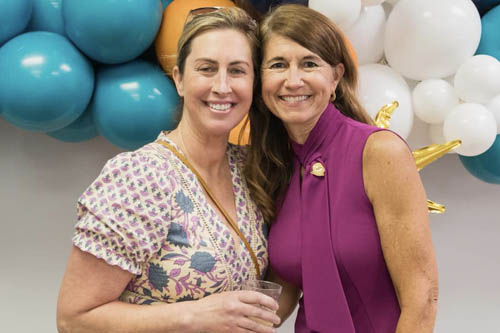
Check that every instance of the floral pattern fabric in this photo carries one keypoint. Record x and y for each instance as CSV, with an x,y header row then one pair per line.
x,y
147,213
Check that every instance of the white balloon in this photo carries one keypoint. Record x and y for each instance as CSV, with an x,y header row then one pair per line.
x,y
372,2
478,79
433,99
343,12
380,85
494,106
367,35
472,123
430,39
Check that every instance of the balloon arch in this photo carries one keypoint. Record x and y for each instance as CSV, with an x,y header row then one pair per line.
x,y
75,72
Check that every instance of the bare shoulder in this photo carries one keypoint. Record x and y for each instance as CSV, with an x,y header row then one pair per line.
x,y
385,147
388,167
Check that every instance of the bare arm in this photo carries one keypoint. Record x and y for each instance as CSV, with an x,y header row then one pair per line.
x,y
289,295
88,302
395,190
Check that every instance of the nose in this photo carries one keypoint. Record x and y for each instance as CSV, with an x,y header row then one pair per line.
x,y
221,83
293,78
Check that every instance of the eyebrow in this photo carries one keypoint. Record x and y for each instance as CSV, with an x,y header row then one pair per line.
x,y
211,61
308,57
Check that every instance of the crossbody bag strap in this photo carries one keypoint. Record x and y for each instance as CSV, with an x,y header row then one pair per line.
x,y
214,199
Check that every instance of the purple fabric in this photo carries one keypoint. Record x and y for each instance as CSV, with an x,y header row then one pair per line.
x,y
325,238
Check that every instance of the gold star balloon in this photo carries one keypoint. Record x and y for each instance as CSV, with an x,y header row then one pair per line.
x,y
423,156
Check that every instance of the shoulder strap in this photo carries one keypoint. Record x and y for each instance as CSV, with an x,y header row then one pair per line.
x,y
214,199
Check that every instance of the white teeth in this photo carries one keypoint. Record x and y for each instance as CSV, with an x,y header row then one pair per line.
x,y
294,99
219,107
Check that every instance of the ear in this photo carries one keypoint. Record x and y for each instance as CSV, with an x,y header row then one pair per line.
x,y
177,76
338,72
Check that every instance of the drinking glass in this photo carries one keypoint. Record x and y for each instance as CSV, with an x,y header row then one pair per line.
x,y
270,289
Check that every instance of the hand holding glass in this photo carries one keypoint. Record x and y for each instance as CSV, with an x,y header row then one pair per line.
x,y
270,289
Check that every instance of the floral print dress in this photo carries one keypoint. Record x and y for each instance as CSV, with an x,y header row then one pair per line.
x,y
147,213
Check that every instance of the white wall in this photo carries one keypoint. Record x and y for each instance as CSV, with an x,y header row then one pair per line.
x,y
41,178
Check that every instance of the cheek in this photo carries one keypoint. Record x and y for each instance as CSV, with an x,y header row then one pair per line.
x,y
271,83
193,86
245,88
330,83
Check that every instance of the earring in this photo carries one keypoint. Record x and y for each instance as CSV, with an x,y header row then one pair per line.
x,y
332,98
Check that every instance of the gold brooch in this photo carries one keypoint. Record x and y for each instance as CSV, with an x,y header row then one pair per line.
x,y
318,170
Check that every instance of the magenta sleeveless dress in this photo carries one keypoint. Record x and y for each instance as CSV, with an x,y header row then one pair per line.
x,y
325,238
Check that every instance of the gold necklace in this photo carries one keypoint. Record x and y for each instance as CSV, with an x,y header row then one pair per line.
x,y
184,149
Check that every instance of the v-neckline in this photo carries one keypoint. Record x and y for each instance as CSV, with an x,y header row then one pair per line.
x,y
236,242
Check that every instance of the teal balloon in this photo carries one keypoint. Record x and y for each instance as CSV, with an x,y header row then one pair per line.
x,y
165,3
485,166
14,17
133,102
490,37
47,16
45,82
111,31
82,129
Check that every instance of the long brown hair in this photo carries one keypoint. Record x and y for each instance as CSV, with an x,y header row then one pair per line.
x,y
269,162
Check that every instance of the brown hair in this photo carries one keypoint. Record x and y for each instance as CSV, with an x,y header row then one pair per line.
x,y
269,162
225,18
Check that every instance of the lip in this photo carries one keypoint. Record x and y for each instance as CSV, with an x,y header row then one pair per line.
x,y
220,111
294,103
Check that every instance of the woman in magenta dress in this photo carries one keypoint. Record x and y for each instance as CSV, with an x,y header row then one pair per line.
x,y
350,225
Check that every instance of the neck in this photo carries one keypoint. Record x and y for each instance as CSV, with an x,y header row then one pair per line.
x,y
299,132
206,153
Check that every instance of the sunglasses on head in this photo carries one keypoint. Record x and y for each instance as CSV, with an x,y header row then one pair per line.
x,y
200,11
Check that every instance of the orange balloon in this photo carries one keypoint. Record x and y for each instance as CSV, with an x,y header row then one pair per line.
x,y
234,136
174,17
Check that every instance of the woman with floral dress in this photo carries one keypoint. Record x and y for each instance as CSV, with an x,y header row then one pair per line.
x,y
147,230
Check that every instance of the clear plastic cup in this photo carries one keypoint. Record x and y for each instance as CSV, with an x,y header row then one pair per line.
x,y
270,289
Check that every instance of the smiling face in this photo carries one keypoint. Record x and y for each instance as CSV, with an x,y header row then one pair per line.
x,y
217,83
296,84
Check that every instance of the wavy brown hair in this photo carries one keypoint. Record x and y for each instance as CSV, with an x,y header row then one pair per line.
x,y
269,162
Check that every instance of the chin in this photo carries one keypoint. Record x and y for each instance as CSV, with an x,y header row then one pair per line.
x,y
219,130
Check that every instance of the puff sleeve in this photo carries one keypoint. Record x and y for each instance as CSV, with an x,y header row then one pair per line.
x,y
122,217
